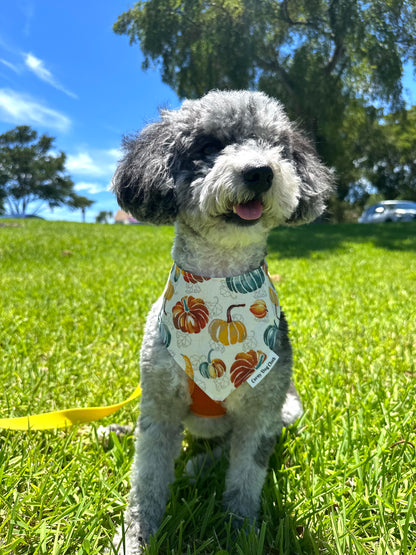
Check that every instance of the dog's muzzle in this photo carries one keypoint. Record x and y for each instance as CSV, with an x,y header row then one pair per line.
x,y
258,179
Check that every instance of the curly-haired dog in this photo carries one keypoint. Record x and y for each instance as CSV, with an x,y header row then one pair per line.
x,y
225,169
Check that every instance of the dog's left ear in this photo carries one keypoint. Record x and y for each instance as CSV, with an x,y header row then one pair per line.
x,y
316,181
143,181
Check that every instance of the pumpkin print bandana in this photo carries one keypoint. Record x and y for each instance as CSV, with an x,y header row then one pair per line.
x,y
221,331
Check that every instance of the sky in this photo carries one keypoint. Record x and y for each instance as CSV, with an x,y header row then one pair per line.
x,y
64,72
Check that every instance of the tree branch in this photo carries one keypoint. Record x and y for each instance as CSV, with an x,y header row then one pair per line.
x,y
275,67
339,51
341,70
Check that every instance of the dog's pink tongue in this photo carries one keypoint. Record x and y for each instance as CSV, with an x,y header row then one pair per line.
x,y
251,210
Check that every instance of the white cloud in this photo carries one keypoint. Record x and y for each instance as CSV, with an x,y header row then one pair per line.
x,y
83,164
113,156
95,163
115,153
37,66
28,11
21,109
91,188
10,65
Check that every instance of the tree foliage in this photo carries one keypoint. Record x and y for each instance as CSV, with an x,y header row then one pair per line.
x,y
328,61
30,171
103,217
391,164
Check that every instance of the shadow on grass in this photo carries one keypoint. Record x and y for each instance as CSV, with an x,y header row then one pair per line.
x,y
195,521
304,240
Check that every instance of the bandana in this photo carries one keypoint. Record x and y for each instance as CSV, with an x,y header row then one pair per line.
x,y
221,331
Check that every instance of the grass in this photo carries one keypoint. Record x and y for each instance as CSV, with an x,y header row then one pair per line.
x,y
73,301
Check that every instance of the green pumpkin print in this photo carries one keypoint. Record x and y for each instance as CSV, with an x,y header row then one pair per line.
x,y
246,283
164,334
270,335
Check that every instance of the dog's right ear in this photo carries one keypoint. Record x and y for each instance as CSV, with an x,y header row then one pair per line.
x,y
143,181
316,180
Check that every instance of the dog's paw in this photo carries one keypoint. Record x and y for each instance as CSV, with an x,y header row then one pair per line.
x,y
104,433
128,542
292,407
134,534
200,464
242,526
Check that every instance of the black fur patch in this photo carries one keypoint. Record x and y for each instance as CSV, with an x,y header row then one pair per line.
x,y
317,182
144,423
143,181
264,450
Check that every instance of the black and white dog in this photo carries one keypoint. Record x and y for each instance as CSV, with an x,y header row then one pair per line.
x,y
225,169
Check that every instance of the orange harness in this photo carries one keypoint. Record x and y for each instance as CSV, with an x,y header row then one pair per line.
x,y
202,404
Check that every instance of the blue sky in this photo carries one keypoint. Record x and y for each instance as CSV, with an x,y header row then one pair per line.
x,y
64,72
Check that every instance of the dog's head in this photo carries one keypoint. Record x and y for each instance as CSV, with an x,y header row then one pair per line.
x,y
228,159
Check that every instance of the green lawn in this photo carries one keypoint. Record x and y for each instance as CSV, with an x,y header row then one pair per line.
x,y
73,301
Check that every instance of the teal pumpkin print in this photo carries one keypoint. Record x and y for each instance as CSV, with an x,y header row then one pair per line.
x,y
212,368
270,335
164,334
175,273
246,283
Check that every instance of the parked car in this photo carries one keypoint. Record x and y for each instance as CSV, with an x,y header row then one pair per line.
x,y
389,211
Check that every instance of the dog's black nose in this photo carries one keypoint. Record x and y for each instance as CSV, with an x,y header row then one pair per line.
x,y
258,179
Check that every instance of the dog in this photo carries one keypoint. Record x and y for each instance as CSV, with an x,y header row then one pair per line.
x,y
225,170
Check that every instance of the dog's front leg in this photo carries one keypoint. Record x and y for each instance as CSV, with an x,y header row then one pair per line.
x,y
158,444
250,450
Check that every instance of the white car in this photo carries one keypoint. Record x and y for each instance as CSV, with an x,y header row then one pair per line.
x,y
389,211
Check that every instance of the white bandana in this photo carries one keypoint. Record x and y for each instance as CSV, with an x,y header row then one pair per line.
x,y
221,331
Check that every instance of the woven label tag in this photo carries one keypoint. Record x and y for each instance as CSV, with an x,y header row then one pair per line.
x,y
256,378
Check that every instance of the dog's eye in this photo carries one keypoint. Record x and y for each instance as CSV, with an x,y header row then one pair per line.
x,y
211,148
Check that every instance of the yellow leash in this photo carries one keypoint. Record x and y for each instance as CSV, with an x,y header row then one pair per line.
x,y
64,418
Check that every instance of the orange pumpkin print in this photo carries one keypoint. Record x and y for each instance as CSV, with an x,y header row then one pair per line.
x,y
190,315
259,308
168,294
218,368
275,299
228,332
273,296
244,365
191,278
188,367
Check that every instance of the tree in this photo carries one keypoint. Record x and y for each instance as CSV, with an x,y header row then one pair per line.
x,y
328,61
2,199
80,203
30,172
103,216
391,165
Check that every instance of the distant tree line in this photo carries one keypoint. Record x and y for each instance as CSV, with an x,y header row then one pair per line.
x,y
32,172
336,65
103,217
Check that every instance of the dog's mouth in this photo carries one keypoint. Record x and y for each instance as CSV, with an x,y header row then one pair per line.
x,y
251,210
247,213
